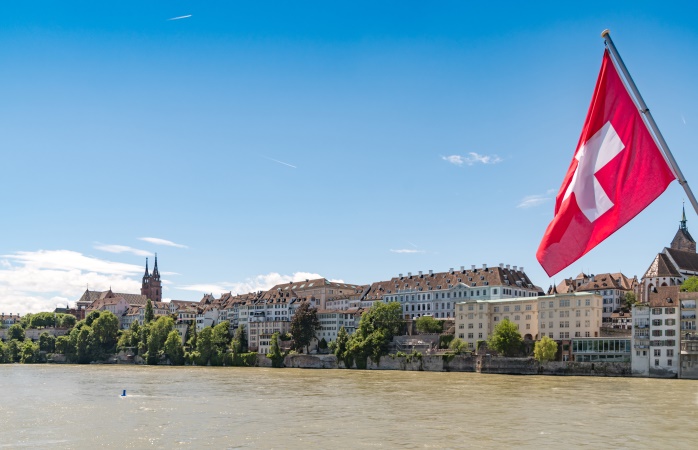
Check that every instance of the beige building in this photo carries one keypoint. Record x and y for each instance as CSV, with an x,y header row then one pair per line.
x,y
560,316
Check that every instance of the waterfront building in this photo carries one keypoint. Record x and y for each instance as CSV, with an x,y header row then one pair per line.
x,y
436,294
673,265
689,337
601,349
560,316
613,287
7,320
663,357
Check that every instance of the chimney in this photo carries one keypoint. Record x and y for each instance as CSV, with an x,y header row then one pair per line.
x,y
514,268
420,273
431,272
484,266
507,266
409,274
462,268
472,267
501,265
401,276
450,270
521,268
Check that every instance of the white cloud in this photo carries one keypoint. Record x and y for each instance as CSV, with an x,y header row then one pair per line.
x,y
531,201
37,281
158,241
407,250
253,284
114,248
472,158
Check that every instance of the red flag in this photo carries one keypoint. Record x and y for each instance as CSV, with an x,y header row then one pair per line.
x,y
616,172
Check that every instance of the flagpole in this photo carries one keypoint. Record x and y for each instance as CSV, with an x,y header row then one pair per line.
x,y
606,35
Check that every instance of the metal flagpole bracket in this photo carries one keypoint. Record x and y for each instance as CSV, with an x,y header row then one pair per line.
x,y
647,116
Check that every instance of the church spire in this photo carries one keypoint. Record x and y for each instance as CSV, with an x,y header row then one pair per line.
x,y
683,218
146,268
156,272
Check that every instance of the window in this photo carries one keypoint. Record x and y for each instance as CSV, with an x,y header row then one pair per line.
x,y
578,313
657,352
550,304
528,326
670,333
656,332
528,307
668,362
470,335
656,322
670,322
564,303
460,335
479,335
670,352
470,325
528,317
479,325
496,309
670,310
506,309
517,308
656,363
587,302
656,311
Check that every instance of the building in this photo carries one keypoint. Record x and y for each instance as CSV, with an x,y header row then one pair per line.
x,y
561,317
7,320
152,285
673,265
601,350
662,359
436,294
689,337
613,287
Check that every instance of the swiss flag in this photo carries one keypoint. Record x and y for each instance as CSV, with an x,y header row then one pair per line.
x,y
616,172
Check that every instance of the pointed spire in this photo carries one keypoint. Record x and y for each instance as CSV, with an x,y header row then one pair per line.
x,y
146,268
156,272
683,217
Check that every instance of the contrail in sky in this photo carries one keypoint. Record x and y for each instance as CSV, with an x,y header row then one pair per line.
x,y
181,17
280,162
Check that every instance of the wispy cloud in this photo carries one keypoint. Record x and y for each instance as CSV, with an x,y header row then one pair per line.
x,y
406,250
253,284
472,158
180,17
158,241
39,280
113,248
535,200
280,162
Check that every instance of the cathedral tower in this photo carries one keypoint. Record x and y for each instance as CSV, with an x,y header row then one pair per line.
x,y
683,239
152,285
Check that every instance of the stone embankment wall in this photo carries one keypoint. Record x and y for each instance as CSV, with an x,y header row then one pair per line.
x,y
34,333
430,363
529,366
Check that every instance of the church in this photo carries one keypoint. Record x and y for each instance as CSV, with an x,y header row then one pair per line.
x,y
673,265
151,286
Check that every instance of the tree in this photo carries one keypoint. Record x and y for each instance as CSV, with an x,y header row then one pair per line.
x,y
105,329
15,332
322,345
173,348
84,345
275,354
690,285
376,329
66,321
47,343
149,315
630,300
240,340
545,349
4,354
303,326
505,338
62,344
204,345
340,345
29,352
159,331
427,324
458,346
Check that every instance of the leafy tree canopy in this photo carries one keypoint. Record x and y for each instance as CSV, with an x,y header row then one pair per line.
x,y
690,285
545,349
505,339
427,324
303,326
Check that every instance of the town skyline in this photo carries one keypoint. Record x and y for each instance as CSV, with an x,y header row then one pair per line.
x,y
251,146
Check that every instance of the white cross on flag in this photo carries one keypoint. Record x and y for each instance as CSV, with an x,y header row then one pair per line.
x,y
616,172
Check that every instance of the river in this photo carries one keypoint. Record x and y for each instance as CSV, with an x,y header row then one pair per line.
x,y
70,406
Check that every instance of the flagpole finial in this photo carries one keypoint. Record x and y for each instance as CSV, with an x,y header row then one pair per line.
x,y
605,32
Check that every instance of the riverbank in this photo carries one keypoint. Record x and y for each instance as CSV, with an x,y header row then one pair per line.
x,y
463,363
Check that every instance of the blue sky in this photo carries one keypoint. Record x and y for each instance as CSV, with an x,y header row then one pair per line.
x,y
415,136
